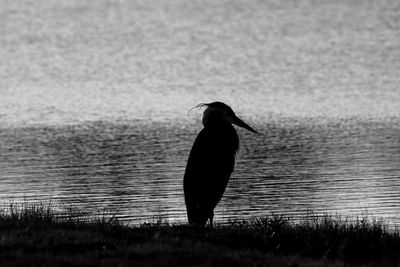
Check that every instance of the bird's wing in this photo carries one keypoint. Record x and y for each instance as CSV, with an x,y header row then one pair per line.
x,y
209,167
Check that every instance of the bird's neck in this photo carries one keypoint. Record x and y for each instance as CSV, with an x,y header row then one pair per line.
x,y
224,132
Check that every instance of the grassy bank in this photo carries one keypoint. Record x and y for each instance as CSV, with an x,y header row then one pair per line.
x,y
36,235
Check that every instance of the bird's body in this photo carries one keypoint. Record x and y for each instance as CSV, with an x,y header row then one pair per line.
x,y
211,162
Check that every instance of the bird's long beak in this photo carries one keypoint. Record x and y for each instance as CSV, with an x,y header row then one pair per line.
x,y
239,122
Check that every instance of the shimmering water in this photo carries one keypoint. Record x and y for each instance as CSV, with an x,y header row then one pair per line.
x,y
346,167
94,98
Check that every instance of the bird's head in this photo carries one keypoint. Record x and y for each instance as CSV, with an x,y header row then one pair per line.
x,y
218,112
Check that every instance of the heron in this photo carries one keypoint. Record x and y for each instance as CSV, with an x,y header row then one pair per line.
x,y
211,161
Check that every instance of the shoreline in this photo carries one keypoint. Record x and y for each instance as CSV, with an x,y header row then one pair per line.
x,y
35,235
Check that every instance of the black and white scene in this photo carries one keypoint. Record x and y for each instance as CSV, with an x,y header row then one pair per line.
x,y
199,133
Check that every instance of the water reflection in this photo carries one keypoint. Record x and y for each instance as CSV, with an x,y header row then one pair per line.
x,y
134,169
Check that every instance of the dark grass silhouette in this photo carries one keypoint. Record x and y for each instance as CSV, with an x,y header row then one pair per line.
x,y
37,235
211,162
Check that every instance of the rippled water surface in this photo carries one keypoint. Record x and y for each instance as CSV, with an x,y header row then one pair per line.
x,y
346,167
94,98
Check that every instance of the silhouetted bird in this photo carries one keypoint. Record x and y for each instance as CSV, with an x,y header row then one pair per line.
x,y
211,162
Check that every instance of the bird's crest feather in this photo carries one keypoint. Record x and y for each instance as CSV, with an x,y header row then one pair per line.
x,y
198,106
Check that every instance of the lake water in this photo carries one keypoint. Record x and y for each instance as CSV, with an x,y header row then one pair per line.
x,y
346,167
94,99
